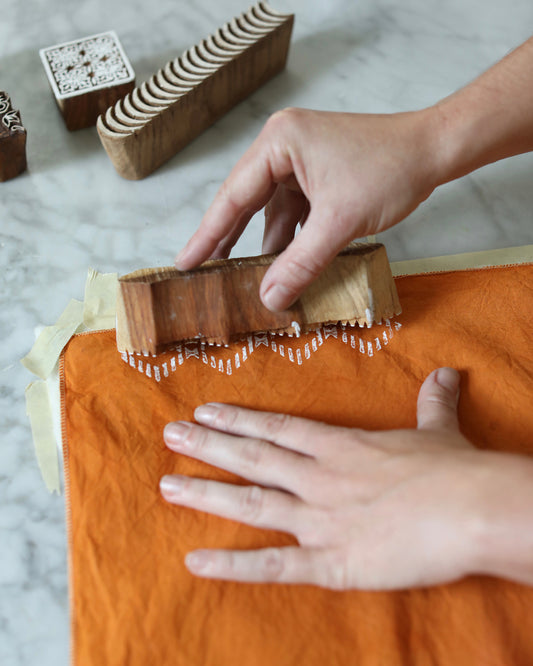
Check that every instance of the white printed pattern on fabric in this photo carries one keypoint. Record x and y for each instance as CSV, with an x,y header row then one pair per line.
x,y
160,366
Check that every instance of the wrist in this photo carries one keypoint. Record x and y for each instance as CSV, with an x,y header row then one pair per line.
x,y
464,140
501,529
460,142
487,120
423,133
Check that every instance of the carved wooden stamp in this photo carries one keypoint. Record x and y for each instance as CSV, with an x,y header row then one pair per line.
x,y
12,140
190,93
87,76
218,302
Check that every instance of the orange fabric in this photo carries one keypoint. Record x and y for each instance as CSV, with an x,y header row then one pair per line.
x,y
133,601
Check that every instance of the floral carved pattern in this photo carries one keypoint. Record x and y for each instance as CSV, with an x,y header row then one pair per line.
x,y
87,64
9,118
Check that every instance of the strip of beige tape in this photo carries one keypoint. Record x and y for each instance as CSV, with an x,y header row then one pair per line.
x,y
42,429
43,356
100,304
97,312
469,260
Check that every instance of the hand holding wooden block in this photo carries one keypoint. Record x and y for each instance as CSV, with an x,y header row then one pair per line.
x,y
87,76
12,140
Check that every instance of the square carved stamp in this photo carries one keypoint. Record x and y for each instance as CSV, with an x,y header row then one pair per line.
x,y
87,76
12,140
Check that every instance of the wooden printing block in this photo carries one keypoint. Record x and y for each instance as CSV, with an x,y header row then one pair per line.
x,y
218,302
12,140
190,93
87,76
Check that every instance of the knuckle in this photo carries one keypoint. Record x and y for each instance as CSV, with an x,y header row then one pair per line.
x,y
196,487
314,531
226,191
336,573
252,503
227,194
280,119
275,424
303,269
439,398
273,564
253,452
196,438
438,411
226,418
212,235
229,563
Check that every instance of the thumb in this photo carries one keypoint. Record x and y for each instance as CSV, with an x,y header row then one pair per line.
x,y
300,263
437,400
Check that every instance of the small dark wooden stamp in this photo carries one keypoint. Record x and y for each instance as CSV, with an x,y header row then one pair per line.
x,y
12,140
87,76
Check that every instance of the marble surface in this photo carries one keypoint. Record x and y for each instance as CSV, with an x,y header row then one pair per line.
x,y
71,211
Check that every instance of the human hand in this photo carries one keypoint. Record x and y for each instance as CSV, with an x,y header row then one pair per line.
x,y
345,175
372,510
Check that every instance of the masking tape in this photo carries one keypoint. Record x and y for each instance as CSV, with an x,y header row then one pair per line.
x,y
97,312
100,304
42,428
45,352
467,261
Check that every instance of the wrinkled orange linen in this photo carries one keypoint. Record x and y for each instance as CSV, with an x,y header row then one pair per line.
x,y
133,601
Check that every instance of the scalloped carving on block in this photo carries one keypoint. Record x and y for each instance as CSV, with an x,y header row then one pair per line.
x,y
188,94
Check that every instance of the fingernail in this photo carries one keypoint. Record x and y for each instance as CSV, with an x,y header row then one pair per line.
x,y
276,298
207,413
171,485
449,379
175,434
198,560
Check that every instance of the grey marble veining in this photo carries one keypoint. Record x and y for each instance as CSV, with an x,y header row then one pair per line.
x,y
71,211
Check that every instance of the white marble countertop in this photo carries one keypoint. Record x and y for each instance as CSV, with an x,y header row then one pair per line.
x,y
71,211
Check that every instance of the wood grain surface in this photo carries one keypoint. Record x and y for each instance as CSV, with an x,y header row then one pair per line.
x,y
219,301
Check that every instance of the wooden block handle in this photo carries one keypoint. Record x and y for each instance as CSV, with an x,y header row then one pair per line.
x,y
219,301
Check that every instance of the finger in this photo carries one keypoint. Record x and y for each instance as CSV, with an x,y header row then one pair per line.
x,y
218,225
226,244
303,260
291,564
282,214
304,436
255,459
252,505
305,213
247,189
437,400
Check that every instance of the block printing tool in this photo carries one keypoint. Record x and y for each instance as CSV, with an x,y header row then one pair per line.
x,y
218,302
